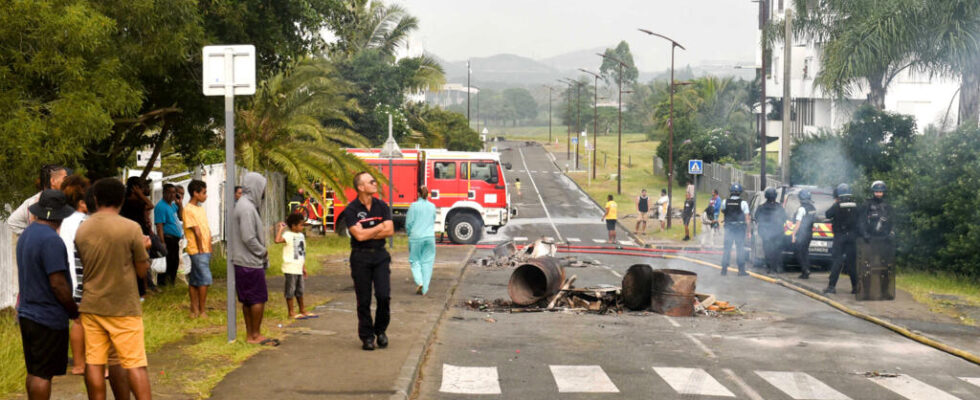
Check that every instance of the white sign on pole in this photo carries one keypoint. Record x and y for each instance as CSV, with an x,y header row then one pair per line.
x,y
216,77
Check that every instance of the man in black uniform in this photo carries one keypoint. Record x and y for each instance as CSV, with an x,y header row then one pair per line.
x,y
876,215
803,231
771,217
736,224
368,219
845,220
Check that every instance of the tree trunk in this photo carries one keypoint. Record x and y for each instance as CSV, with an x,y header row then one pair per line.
x,y
969,111
876,97
157,148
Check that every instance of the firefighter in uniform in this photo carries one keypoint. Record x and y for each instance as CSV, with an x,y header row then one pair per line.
x,y
736,229
844,214
770,218
368,219
803,231
876,214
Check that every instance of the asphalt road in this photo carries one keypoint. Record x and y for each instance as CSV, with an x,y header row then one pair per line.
x,y
786,346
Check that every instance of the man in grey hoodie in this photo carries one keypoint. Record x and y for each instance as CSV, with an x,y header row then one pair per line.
x,y
251,257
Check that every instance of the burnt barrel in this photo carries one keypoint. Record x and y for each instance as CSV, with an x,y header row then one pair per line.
x,y
535,279
672,292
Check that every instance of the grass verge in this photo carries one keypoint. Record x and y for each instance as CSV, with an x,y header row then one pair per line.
x,y
944,293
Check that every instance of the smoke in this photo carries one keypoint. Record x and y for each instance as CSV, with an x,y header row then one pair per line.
x,y
822,161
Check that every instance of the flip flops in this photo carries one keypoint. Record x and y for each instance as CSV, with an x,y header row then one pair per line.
x,y
269,342
306,316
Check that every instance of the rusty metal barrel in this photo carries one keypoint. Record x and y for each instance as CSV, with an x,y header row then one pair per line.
x,y
636,287
535,279
672,292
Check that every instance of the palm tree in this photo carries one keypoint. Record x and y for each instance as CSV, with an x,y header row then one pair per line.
x,y
298,123
951,44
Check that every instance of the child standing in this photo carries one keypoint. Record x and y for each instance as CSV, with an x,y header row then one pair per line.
x,y
294,262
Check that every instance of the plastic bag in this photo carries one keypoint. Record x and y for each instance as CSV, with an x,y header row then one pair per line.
x,y
158,265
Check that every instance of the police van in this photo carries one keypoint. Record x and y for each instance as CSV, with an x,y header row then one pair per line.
x,y
823,235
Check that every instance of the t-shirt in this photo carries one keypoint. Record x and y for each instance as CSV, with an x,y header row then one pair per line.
x,y
41,252
293,253
611,206
195,215
21,217
662,204
109,246
166,214
356,213
135,209
69,226
688,208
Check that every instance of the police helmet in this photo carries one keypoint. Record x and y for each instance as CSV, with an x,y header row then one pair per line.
x,y
736,189
771,194
878,186
805,195
842,190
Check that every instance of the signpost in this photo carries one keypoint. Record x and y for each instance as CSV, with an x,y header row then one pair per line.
x,y
229,70
695,167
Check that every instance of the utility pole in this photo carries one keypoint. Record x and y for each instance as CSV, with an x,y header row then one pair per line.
x,y
595,115
787,73
619,150
549,113
670,141
468,123
763,21
568,141
578,118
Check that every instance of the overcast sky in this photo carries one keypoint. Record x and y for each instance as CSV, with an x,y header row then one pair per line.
x,y
711,30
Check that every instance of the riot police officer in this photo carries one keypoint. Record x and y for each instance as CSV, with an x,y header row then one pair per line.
x,y
844,214
736,229
805,215
876,214
770,218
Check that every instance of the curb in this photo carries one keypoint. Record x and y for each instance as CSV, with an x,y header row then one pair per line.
x,y
406,381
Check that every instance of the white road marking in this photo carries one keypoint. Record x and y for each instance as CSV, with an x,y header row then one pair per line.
x,y
520,239
627,242
546,213
692,381
582,379
700,345
975,381
611,271
469,380
672,322
753,395
573,240
800,386
600,240
912,389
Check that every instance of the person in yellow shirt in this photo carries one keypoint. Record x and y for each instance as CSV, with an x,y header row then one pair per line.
x,y
610,218
198,235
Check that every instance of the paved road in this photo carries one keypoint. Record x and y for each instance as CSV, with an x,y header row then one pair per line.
x,y
787,346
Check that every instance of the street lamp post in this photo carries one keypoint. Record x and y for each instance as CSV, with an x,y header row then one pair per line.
x,y
468,123
578,118
619,146
549,112
595,115
568,141
670,141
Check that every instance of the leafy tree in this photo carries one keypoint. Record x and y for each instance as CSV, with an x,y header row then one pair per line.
x,y
610,68
875,139
523,104
366,25
297,123
453,129
951,47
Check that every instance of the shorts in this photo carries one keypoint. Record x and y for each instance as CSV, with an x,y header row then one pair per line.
x,y
200,274
293,285
122,334
250,285
662,216
642,216
45,349
610,224
686,218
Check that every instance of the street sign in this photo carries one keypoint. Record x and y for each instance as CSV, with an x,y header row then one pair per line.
x,y
574,140
218,74
695,167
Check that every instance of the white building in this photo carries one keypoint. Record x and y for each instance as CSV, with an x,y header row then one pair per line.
x,y
451,94
927,99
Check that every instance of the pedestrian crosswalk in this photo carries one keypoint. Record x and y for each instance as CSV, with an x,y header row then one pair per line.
x,y
695,382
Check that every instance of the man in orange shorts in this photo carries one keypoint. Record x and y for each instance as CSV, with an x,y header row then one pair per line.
x,y
113,250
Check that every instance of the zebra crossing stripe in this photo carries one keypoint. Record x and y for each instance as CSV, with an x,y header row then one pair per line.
x,y
692,381
912,389
975,381
582,379
469,380
573,240
599,240
800,386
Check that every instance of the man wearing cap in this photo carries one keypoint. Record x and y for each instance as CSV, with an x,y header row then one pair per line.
x,y
45,303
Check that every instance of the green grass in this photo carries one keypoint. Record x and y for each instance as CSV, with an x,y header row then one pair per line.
x,y
165,318
922,285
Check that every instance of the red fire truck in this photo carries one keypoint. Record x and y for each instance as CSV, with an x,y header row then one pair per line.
x,y
467,188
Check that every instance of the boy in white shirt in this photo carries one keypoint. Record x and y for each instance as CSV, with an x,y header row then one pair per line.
x,y
294,263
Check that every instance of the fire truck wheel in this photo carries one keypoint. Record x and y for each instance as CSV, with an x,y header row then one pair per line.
x,y
465,229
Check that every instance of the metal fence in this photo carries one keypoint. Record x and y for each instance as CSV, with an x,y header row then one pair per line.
x,y
273,210
721,177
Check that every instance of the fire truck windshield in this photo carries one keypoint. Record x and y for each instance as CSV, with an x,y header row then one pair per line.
x,y
482,171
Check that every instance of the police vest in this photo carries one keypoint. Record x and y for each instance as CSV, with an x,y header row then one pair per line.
x,y
733,212
809,216
877,218
846,219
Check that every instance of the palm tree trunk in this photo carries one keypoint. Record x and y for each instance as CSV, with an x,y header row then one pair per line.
x,y
876,97
969,111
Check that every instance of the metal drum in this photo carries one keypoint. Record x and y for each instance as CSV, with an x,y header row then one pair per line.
x,y
636,287
672,292
535,279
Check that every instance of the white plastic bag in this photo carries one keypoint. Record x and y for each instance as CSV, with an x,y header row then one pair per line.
x,y
159,265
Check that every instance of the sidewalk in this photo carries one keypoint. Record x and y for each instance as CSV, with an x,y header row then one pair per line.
x,y
322,358
903,311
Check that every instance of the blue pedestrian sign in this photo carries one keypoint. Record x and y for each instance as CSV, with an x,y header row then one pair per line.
x,y
574,140
695,167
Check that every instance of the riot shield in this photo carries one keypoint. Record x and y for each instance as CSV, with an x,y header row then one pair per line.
x,y
876,269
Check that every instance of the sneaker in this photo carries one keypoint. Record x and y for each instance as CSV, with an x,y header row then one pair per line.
x,y
743,274
804,276
686,238
830,290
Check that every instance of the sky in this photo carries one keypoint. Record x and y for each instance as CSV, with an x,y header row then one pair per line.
x,y
711,30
